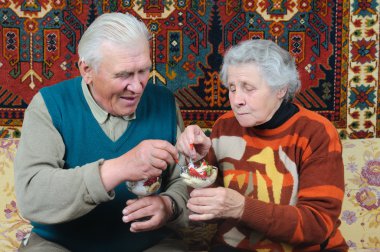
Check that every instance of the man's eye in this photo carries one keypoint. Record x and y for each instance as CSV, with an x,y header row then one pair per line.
x,y
123,75
146,70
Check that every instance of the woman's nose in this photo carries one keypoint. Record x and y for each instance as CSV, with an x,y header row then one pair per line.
x,y
238,98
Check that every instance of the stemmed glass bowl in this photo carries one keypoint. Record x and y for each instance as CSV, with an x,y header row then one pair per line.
x,y
200,176
144,187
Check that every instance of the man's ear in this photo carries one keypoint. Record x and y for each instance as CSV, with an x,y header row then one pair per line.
x,y
86,71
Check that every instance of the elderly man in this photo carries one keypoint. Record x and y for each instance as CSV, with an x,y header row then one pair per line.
x,y
83,138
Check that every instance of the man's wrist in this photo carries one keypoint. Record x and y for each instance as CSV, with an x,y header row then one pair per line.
x,y
173,208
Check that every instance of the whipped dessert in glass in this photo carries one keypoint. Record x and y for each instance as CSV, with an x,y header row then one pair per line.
x,y
144,187
202,176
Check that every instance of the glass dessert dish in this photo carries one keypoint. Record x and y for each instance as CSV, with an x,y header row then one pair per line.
x,y
144,187
198,177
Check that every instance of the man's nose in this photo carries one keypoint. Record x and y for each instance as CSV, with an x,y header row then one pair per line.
x,y
135,84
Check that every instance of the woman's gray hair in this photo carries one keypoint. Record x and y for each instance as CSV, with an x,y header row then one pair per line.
x,y
276,65
119,28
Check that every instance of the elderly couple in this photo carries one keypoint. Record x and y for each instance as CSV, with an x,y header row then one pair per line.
x,y
280,182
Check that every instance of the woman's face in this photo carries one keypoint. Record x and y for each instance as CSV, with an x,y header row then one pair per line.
x,y
121,78
252,100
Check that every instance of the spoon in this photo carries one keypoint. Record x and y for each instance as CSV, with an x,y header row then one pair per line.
x,y
184,168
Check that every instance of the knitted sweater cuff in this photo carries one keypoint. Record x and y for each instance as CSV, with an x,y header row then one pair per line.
x,y
257,215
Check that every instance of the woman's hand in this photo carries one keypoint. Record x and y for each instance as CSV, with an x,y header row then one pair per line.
x,y
215,203
193,142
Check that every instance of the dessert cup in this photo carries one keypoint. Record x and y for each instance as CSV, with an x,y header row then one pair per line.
x,y
203,176
144,187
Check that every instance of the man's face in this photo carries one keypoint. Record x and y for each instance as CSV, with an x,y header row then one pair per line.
x,y
121,78
252,100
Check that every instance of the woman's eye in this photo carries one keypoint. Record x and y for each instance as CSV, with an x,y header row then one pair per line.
x,y
249,88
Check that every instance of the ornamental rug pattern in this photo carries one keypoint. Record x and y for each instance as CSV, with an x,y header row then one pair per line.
x,y
335,43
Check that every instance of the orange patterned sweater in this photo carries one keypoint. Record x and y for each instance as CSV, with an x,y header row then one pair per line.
x,y
292,177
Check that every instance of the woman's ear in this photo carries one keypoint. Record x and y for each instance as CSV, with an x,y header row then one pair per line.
x,y
282,92
86,71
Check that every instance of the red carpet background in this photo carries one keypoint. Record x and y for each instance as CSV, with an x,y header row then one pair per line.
x,y
335,43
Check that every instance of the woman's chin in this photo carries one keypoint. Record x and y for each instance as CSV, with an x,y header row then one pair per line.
x,y
246,124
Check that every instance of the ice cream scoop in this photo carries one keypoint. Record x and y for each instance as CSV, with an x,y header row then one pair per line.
x,y
144,187
202,176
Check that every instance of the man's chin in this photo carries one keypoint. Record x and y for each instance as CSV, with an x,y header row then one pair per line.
x,y
126,111
129,113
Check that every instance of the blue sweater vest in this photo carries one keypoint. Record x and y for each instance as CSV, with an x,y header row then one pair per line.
x,y
102,229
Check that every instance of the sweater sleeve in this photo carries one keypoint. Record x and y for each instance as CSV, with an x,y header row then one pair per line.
x,y
314,216
47,193
292,179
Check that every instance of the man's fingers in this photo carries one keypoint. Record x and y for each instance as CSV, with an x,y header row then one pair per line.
x,y
158,163
144,224
162,158
165,151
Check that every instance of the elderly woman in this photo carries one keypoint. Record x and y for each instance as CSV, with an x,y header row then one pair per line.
x,y
281,180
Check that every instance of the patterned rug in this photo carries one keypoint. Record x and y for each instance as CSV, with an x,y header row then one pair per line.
x,y
335,43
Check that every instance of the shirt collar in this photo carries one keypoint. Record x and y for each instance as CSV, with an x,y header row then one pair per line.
x,y
100,114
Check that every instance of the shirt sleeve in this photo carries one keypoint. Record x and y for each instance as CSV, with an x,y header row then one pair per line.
x,y
176,188
47,193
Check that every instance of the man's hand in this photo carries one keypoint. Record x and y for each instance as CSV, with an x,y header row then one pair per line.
x,y
148,159
155,210
215,203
